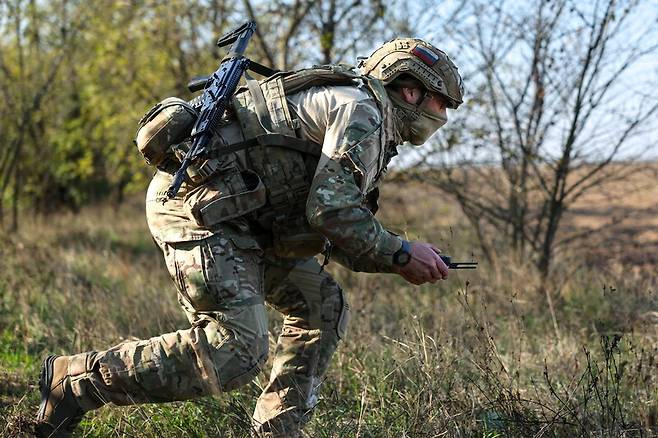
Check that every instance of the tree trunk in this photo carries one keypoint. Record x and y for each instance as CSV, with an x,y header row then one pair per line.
x,y
16,196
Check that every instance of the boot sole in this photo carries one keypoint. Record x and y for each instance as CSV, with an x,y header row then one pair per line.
x,y
45,382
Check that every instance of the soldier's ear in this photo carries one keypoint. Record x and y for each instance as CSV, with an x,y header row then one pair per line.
x,y
410,95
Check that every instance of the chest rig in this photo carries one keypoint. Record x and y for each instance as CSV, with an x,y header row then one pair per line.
x,y
260,165
284,161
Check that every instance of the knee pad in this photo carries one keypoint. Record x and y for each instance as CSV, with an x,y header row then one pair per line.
x,y
335,308
245,364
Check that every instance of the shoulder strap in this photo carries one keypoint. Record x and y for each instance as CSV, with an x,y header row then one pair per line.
x,y
260,105
300,80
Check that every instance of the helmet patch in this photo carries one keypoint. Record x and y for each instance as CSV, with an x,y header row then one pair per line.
x,y
425,55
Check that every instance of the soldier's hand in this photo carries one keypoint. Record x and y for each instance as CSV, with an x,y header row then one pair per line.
x,y
425,264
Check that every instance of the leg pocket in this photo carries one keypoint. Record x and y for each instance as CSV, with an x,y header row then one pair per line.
x,y
216,272
233,269
189,275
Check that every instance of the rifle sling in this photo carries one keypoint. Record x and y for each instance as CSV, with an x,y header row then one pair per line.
x,y
258,98
261,69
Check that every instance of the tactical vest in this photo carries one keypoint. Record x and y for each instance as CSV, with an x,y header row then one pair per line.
x,y
262,111
280,163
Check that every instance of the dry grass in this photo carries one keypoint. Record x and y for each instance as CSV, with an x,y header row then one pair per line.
x,y
478,355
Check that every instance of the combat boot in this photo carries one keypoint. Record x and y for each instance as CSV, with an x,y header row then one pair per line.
x,y
59,412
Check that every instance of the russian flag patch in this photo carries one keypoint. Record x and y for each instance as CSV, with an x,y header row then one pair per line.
x,y
427,56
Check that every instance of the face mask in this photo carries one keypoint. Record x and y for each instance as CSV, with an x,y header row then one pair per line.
x,y
417,124
424,126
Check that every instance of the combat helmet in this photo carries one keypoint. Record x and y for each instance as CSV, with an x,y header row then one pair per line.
x,y
421,60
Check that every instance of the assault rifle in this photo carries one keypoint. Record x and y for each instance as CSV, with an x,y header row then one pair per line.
x,y
458,265
219,88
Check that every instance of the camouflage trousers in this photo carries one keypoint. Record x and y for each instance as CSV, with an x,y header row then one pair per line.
x,y
223,283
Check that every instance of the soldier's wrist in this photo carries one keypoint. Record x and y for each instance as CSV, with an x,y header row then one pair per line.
x,y
389,245
402,256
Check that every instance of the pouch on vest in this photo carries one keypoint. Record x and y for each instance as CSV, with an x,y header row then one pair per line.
x,y
229,194
167,123
285,172
200,171
293,237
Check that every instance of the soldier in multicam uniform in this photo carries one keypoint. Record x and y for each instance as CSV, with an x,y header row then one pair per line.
x,y
245,227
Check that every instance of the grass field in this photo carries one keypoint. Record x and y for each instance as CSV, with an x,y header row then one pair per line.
x,y
478,355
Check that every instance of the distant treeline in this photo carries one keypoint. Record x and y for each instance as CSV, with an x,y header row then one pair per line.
x,y
76,76
556,92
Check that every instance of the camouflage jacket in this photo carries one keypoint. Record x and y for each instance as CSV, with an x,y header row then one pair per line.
x,y
358,136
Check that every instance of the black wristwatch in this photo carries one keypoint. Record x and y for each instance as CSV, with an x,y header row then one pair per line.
x,y
403,255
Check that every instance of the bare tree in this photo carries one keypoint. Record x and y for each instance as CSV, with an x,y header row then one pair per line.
x,y
319,31
554,100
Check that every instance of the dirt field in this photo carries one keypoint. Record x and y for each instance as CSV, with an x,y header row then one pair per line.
x,y
626,213
619,219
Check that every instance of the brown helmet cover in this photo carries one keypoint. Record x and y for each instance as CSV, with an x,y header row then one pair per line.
x,y
423,61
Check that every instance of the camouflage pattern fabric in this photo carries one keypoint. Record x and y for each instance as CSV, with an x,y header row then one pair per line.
x,y
316,318
220,281
166,124
174,221
420,59
350,167
336,203
224,275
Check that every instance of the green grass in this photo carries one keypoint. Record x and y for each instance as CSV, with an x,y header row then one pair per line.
x,y
479,355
